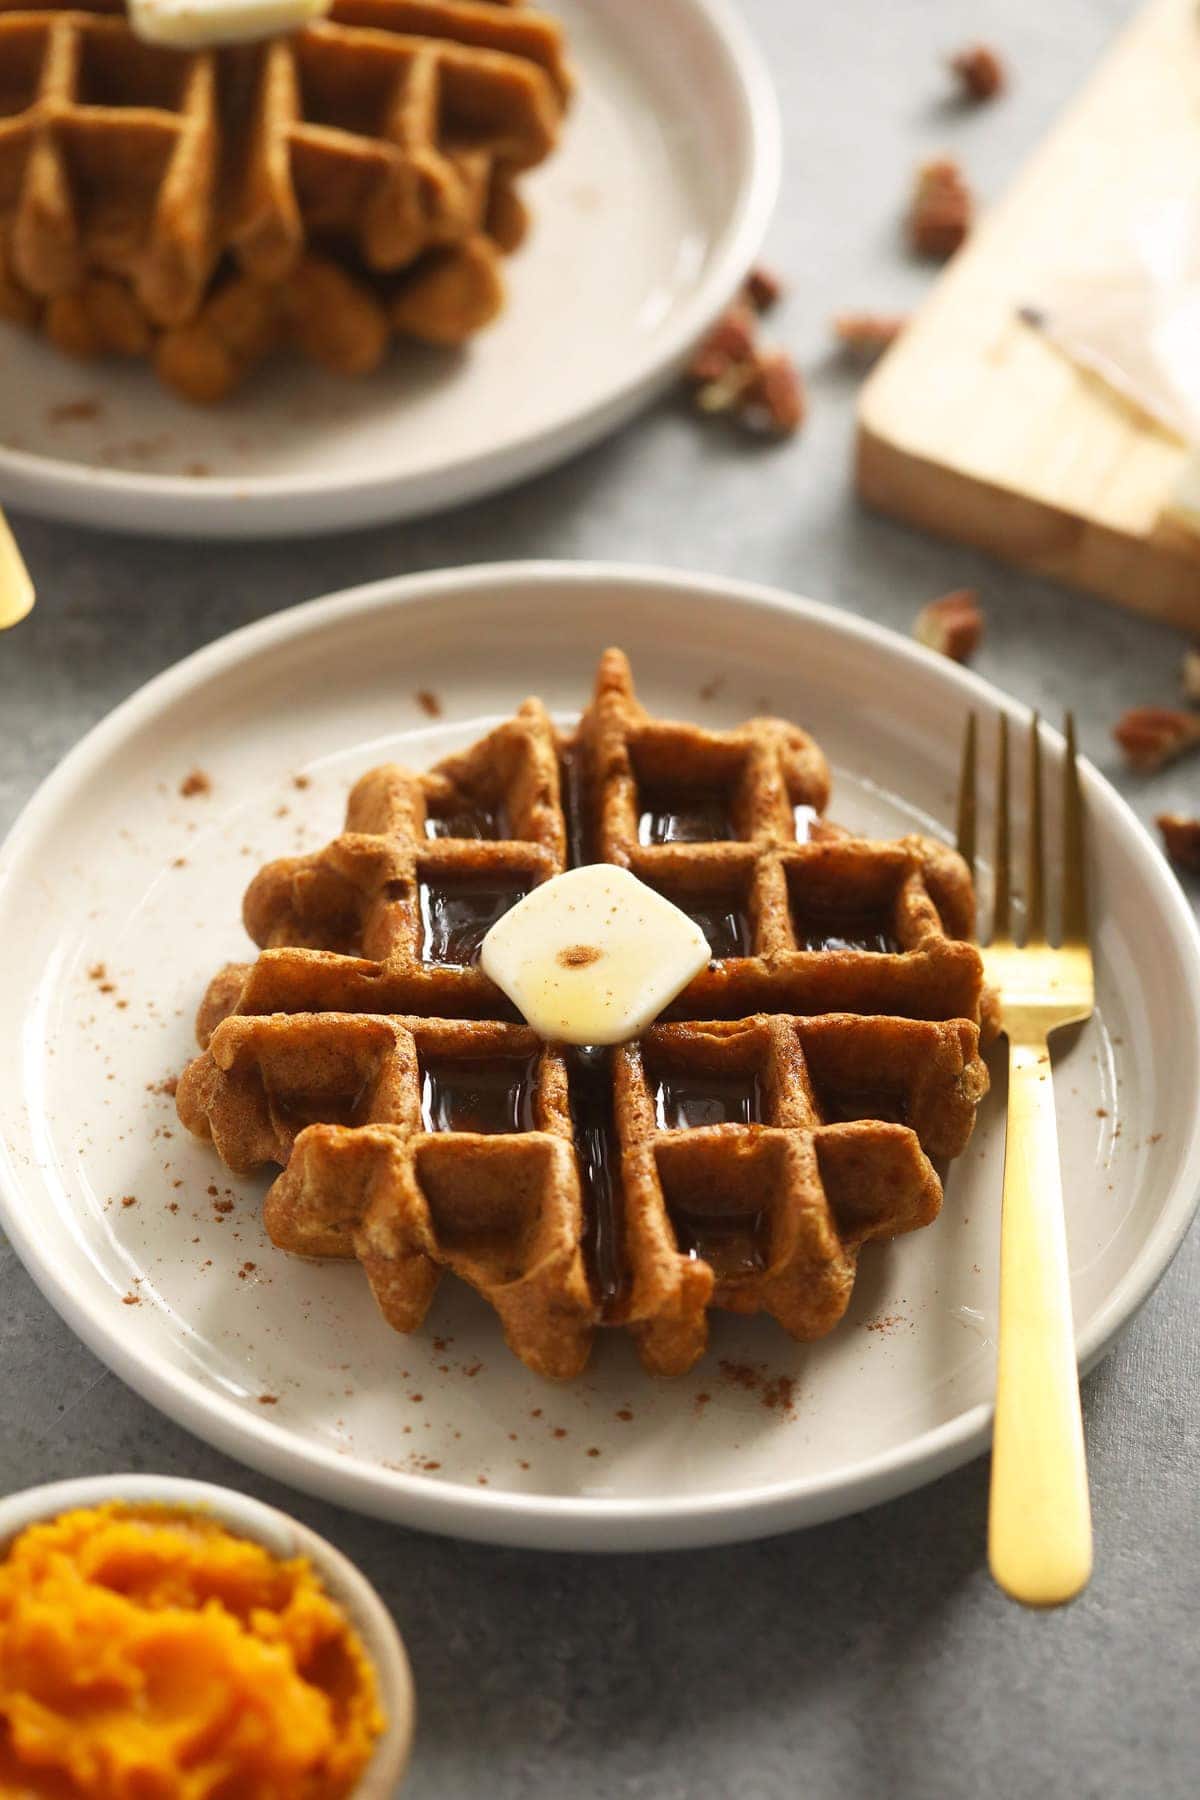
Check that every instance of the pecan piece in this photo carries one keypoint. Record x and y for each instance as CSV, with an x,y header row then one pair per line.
x,y
1181,839
981,71
866,335
774,400
940,215
725,392
730,343
1152,736
953,625
762,288
762,389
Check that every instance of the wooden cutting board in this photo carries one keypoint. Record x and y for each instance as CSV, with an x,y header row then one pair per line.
x,y
976,428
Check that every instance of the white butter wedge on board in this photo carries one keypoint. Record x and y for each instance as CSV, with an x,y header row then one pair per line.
x,y
198,24
593,956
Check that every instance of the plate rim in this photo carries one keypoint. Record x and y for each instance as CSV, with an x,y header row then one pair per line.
x,y
555,1521
240,506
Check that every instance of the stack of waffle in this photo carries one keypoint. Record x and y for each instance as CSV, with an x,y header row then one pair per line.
x,y
327,190
739,1155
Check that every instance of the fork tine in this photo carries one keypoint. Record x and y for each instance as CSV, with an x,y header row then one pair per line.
x,y
965,834
1001,917
1074,897
1035,879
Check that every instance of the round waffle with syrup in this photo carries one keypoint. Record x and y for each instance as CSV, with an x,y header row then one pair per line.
x,y
328,190
782,1113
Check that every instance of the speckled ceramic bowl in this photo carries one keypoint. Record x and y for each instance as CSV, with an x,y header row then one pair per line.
x,y
284,1537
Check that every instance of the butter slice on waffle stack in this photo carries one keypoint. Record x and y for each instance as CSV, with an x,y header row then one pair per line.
x,y
327,190
781,1114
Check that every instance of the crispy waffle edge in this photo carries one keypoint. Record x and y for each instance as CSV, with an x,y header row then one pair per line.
x,y
317,1056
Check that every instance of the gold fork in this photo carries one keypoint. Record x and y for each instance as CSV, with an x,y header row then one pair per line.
x,y
1039,1524
16,586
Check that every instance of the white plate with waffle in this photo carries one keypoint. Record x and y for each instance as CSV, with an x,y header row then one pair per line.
x,y
644,220
119,895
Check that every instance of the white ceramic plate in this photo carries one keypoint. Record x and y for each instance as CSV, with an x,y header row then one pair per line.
x,y
119,897
284,1537
645,221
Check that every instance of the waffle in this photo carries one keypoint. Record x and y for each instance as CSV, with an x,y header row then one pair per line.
x,y
141,187
781,1114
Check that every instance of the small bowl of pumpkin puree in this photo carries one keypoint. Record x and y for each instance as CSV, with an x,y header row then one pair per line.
x,y
174,1640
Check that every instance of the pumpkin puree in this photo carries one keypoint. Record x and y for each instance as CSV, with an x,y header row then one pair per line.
x,y
148,1654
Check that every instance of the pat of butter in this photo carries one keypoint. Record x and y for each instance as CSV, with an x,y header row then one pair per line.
x,y
593,956
195,24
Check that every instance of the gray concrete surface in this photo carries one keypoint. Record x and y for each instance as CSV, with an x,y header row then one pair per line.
x,y
873,1656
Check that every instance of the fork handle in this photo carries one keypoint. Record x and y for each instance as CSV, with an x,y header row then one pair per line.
x,y
1040,1524
16,588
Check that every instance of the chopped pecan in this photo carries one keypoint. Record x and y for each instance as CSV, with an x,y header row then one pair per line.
x,y
866,335
762,288
953,625
762,389
730,342
1191,672
1151,736
774,401
1181,839
940,215
980,70
725,392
